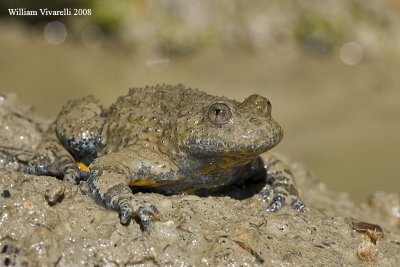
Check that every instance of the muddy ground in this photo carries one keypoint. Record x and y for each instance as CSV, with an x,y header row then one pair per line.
x,y
46,222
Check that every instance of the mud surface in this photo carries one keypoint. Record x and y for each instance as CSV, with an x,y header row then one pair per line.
x,y
45,222
20,131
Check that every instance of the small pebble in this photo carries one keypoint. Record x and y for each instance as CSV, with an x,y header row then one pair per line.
x,y
6,194
27,204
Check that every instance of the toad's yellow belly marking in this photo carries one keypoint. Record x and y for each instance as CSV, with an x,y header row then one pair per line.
x,y
83,167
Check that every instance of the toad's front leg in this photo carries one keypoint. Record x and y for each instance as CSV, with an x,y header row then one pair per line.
x,y
113,174
280,188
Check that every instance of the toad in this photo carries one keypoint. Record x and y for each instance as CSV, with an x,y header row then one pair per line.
x,y
168,139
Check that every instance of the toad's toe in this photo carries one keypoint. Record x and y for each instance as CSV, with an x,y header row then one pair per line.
x,y
143,209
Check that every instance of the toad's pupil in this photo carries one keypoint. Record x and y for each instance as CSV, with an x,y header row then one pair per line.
x,y
218,111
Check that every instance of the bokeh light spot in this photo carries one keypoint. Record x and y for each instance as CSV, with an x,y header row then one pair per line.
x,y
55,33
351,53
158,64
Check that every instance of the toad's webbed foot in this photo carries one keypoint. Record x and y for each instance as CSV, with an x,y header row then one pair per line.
x,y
277,199
41,165
120,198
53,160
280,189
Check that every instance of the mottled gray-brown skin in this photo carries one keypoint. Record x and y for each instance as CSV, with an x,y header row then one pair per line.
x,y
169,139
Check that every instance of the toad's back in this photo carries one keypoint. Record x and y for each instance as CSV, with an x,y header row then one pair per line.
x,y
147,114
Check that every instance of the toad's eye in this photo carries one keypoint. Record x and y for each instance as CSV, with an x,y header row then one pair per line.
x,y
219,114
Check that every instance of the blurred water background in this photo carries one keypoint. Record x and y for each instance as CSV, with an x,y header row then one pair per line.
x,y
330,68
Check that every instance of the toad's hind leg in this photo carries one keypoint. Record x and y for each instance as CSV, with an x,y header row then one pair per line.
x,y
280,188
73,137
78,128
51,158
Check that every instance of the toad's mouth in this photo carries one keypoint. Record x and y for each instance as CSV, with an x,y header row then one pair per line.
x,y
246,149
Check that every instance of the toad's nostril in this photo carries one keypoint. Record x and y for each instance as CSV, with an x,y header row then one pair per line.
x,y
258,104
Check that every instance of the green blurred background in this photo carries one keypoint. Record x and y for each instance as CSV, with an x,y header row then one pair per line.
x,y
330,68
